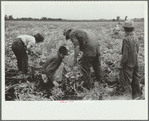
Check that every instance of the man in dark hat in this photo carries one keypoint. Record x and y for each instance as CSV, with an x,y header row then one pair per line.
x,y
22,44
129,75
86,42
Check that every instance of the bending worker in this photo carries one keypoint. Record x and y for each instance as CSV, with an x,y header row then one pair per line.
x,y
86,42
22,44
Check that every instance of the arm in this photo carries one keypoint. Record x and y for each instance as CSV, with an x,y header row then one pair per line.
x,y
76,52
43,66
28,48
51,67
30,52
76,47
30,45
124,53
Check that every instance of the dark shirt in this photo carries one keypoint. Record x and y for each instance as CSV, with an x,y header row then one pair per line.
x,y
86,41
51,65
130,49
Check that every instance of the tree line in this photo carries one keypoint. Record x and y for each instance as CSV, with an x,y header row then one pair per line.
x,y
10,17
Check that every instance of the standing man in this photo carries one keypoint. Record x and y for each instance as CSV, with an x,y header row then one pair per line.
x,y
86,42
129,74
22,44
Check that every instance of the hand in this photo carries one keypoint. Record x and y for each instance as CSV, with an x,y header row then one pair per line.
x,y
28,52
120,67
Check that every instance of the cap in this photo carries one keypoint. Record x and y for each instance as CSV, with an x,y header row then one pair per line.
x,y
129,24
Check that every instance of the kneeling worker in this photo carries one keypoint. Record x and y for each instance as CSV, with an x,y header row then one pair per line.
x,y
51,65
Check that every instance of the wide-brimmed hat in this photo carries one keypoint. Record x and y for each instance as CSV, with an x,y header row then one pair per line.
x,y
129,24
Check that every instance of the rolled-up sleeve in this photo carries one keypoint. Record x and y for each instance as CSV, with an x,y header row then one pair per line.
x,y
125,50
74,40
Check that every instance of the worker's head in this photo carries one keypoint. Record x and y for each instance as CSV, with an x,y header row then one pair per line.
x,y
116,25
66,32
62,52
129,26
38,38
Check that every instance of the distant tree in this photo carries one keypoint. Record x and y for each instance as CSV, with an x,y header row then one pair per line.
x,y
6,17
43,18
118,17
22,18
113,19
36,18
10,17
59,19
29,18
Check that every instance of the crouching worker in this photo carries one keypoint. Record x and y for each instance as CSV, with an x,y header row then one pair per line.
x,y
51,65
22,44
129,73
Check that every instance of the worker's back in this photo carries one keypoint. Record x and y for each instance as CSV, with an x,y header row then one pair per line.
x,y
133,49
87,40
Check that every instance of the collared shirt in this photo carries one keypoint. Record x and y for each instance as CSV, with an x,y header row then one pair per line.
x,y
27,39
51,65
86,41
130,49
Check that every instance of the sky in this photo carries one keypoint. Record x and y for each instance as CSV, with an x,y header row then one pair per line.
x,y
76,9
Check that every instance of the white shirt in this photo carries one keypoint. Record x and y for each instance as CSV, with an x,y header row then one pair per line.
x,y
28,40
117,28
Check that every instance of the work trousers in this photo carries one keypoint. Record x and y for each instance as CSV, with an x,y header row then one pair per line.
x,y
129,78
86,63
20,52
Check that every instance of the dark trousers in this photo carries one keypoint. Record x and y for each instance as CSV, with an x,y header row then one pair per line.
x,y
86,63
20,52
49,84
129,78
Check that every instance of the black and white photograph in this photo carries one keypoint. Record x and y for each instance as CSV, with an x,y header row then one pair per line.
x,y
65,53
